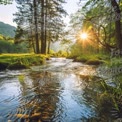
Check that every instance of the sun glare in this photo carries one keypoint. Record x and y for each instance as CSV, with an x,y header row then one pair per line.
x,y
84,36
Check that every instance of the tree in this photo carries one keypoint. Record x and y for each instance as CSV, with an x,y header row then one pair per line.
x,y
27,19
42,20
43,41
117,13
36,25
5,2
55,25
101,17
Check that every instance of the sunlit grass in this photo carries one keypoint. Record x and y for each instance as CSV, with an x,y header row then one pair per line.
x,y
21,60
21,78
94,59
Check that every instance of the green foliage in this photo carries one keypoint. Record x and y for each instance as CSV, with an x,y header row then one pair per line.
x,y
113,93
61,53
90,59
76,50
39,33
21,78
7,45
19,35
7,30
114,64
81,58
120,78
94,62
101,16
84,55
5,2
52,51
20,61
65,41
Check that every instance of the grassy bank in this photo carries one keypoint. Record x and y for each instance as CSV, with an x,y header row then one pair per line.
x,y
20,61
114,64
94,59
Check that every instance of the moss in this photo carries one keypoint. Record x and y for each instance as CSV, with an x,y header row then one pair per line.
x,y
80,59
94,62
91,59
21,61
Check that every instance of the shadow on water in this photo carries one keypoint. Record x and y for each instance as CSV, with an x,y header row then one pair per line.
x,y
60,91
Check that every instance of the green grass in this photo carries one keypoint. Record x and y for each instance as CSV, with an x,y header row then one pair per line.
x,y
93,59
21,78
21,61
94,62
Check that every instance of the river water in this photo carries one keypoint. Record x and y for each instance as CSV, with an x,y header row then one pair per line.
x,y
58,91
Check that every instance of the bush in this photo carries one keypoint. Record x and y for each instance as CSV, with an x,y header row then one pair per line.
x,y
81,59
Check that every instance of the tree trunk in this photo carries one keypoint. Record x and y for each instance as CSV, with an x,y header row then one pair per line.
x,y
117,23
42,28
36,26
48,50
46,25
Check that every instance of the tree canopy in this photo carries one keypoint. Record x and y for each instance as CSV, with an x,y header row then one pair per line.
x,y
5,2
42,22
102,21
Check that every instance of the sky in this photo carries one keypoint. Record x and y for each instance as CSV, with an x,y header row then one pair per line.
x,y
71,7
7,11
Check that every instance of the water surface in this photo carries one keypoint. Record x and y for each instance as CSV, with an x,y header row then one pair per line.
x,y
58,91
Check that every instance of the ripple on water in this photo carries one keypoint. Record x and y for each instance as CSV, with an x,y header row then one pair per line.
x,y
50,93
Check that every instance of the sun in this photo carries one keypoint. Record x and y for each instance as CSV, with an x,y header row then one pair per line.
x,y
84,36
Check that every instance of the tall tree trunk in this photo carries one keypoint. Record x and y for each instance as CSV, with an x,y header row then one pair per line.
x,y
42,28
117,23
36,26
46,12
48,48
31,29
32,39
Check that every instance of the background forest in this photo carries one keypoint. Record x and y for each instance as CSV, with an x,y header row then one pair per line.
x,y
39,23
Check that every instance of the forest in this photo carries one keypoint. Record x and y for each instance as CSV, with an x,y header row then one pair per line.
x,y
41,23
92,38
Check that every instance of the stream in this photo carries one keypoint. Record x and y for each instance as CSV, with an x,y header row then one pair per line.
x,y
58,91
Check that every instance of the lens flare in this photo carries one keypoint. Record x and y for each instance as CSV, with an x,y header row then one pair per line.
x,y
84,36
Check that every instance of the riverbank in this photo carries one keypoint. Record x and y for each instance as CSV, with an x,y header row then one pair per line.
x,y
113,64
21,61
91,59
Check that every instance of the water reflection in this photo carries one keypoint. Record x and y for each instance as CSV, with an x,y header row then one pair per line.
x,y
59,91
